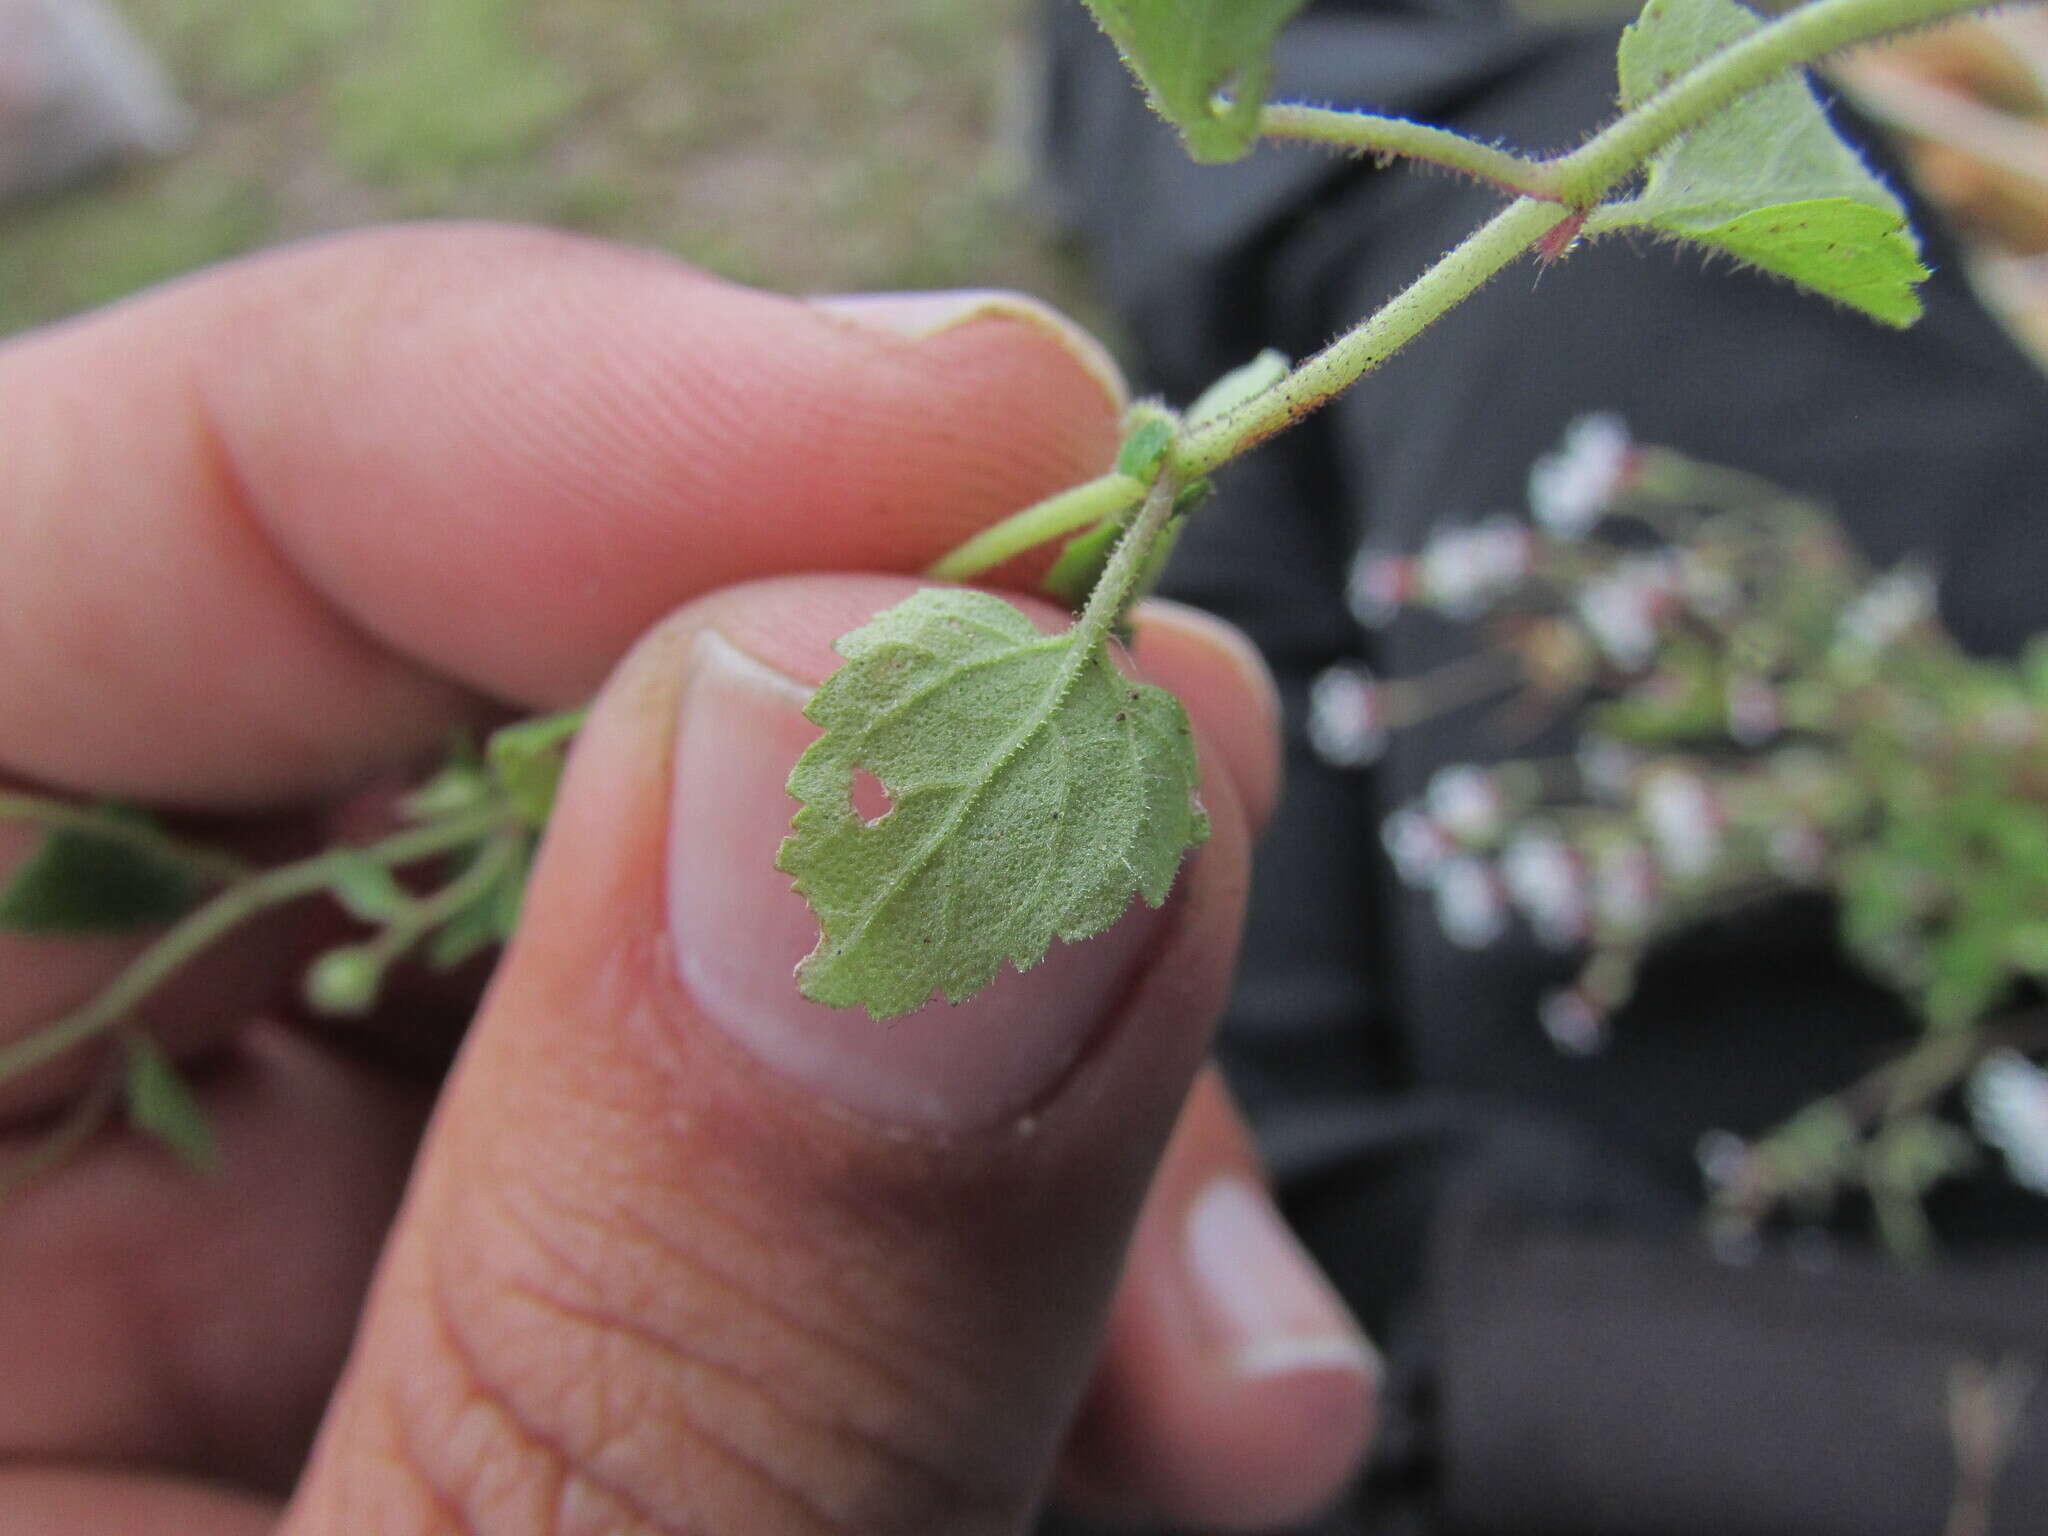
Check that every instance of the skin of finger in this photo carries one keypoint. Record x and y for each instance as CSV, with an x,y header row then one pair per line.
x,y
157,1317
71,1501
275,527
642,1278
1163,1435
1185,651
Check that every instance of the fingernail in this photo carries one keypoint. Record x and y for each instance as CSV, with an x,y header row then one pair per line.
x,y
918,316
1268,1307
739,930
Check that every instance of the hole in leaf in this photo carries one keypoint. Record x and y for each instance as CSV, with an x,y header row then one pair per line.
x,y
870,800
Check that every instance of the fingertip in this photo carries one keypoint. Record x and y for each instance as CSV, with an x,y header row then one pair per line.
x,y
1224,682
1235,1391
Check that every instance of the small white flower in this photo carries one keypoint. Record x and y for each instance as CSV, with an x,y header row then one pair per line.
x,y
1895,603
2009,1103
1346,724
1607,769
1623,609
1546,878
1572,488
1724,1158
1625,889
1685,819
1469,902
1417,845
1753,713
1466,802
1462,570
1574,1025
1380,585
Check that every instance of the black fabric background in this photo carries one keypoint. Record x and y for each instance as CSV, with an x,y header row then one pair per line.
x,y
1429,1142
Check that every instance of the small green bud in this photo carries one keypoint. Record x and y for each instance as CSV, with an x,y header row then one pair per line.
x,y
344,981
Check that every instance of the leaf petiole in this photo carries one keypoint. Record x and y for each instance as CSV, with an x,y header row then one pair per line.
x,y
1368,133
1072,509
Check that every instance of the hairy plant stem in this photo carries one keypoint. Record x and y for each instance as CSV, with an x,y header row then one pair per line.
x,y
1367,133
1578,181
1118,587
60,816
1068,512
212,921
1494,245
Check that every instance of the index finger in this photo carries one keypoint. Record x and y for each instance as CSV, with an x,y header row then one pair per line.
x,y
276,528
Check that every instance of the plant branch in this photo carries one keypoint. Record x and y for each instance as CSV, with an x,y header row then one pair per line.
x,y
1118,586
429,912
225,912
1317,380
59,816
1367,133
1065,513
1579,180
1799,37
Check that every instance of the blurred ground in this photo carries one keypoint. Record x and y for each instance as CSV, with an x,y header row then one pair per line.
x,y
805,145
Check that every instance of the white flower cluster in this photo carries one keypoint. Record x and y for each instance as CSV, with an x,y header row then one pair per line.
x,y
1575,1024
1686,821
1461,571
2009,1103
1346,723
1571,489
1379,587
1625,609
1896,602
1546,877
1460,842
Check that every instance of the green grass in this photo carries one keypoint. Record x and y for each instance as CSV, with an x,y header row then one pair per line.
x,y
807,145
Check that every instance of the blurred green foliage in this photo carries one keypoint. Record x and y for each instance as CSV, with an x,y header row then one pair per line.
x,y
801,144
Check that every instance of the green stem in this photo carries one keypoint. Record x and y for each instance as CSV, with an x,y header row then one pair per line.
x,y
1801,36
58,816
1580,180
207,924
1069,510
1118,586
429,912
1368,133
1314,382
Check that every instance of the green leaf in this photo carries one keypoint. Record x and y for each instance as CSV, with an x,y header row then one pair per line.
x,y
481,924
1768,182
366,890
1243,383
526,760
78,883
160,1105
1032,787
1144,447
1082,558
1186,51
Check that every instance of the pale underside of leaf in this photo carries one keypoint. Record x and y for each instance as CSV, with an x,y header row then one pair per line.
x,y
1186,51
1033,789
1768,182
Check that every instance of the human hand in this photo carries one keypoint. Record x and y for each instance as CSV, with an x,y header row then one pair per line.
x,y
678,1252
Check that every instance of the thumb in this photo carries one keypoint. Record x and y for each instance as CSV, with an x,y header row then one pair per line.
x,y
685,1252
